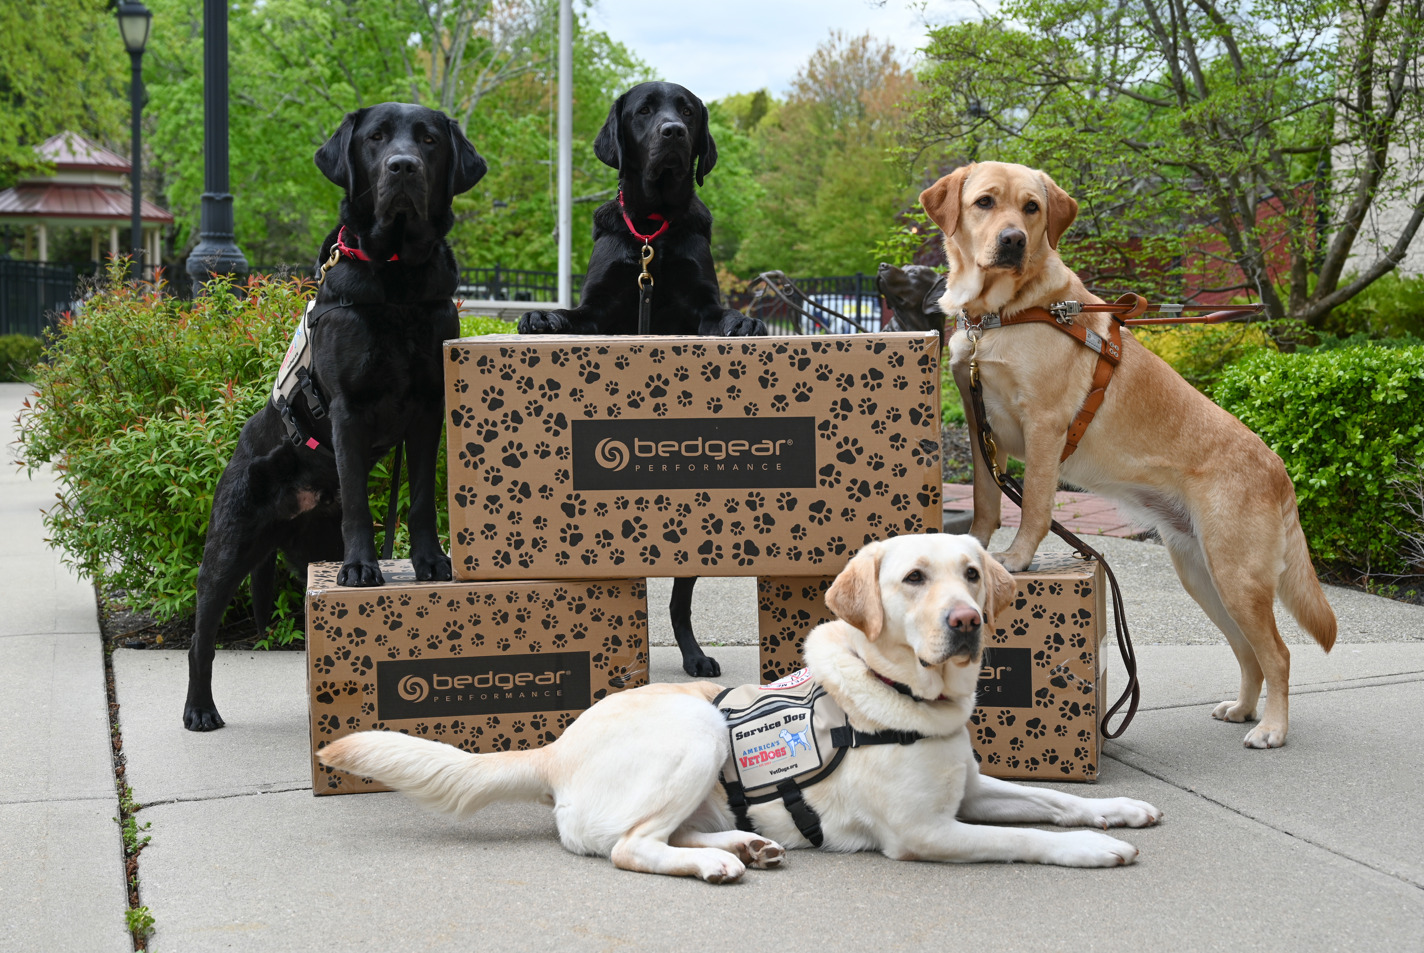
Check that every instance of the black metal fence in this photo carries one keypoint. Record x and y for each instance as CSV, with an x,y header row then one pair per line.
x,y
854,296
512,284
32,294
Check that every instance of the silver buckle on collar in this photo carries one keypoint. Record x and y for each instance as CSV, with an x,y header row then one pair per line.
x,y
1063,311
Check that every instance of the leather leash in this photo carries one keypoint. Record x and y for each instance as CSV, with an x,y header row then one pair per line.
x,y
645,280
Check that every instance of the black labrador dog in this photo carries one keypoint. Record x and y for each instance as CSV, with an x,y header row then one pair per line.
x,y
913,293
381,314
656,136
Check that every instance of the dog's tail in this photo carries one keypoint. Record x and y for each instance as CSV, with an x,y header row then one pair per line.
x,y
440,776
1299,587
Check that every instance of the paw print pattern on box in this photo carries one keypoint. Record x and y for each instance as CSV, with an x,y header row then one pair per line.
x,y
1042,680
746,456
383,658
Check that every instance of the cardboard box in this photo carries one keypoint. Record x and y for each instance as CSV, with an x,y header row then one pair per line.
x,y
608,456
485,666
1043,679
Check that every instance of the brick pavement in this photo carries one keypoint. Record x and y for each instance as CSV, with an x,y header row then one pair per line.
x,y
1083,513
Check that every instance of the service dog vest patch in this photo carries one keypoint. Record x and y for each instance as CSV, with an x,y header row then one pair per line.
x,y
298,356
786,736
779,732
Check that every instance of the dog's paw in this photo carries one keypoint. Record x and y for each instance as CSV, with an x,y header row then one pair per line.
x,y
360,574
764,854
739,325
544,322
701,666
1265,736
1121,812
1091,849
201,717
429,568
1233,711
1012,562
724,870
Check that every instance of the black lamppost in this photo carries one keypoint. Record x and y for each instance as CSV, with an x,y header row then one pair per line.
x,y
134,21
217,252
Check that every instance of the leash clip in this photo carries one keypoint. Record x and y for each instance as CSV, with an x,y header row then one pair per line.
x,y
647,260
1063,311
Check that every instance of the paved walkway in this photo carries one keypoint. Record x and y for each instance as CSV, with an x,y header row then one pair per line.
x,y
1082,513
1315,846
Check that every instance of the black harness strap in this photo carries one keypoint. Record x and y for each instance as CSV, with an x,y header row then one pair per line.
x,y
737,801
808,822
848,737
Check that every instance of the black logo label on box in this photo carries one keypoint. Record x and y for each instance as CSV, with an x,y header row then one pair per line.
x,y
696,453
481,685
1006,678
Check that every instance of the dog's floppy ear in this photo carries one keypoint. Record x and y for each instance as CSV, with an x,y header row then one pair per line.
x,y
608,146
941,201
855,595
706,148
467,166
334,157
936,292
1062,209
999,584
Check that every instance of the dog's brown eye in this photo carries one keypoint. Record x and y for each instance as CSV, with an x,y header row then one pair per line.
x,y
645,110
1031,208
377,137
971,574
985,201
430,140
687,111
915,577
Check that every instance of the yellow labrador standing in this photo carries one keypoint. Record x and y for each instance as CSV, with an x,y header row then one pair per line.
x,y
635,778
1219,498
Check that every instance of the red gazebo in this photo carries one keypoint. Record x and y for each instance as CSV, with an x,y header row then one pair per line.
x,y
89,189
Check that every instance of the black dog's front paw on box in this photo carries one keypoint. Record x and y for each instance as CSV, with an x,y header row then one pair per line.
x,y
360,574
543,322
432,568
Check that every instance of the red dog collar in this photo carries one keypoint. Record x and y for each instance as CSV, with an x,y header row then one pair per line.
x,y
357,253
646,239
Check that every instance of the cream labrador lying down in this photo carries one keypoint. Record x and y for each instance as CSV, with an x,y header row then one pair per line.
x,y
636,777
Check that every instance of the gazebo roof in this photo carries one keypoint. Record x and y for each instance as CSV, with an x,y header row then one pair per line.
x,y
68,151
87,187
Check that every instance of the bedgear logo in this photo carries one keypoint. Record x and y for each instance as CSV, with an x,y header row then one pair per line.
x,y
694,453
413,688
611,454
479,685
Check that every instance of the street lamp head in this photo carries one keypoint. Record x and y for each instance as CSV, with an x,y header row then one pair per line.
x,y
134,21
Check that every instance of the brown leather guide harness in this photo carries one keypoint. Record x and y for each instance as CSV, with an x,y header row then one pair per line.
x,y
1127,311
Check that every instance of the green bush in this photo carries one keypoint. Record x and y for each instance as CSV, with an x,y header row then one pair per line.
x,y
1390,307
139,407
1344,421
18,354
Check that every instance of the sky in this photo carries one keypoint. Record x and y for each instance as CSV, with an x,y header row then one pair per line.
x,y
738,46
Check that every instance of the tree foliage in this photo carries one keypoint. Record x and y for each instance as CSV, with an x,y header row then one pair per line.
x,y
1244,143
822,162
298,66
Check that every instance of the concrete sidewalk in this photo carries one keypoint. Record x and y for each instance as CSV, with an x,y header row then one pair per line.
x,y
1315,846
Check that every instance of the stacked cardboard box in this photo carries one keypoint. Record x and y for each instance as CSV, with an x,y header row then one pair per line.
x,y
489,666
1043,677
578,466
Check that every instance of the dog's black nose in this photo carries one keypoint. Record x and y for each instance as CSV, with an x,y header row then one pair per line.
x,y
402,165
1012,239
673,130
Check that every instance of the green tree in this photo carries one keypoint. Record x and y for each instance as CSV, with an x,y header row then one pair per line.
x,y
1222,134
822,162
63,68
298,66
